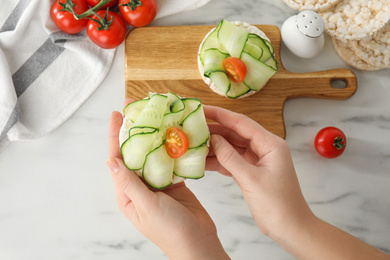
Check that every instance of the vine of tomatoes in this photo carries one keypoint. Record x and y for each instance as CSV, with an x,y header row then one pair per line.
x,y
104,27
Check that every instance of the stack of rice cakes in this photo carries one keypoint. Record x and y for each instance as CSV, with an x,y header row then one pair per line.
x,y
360,29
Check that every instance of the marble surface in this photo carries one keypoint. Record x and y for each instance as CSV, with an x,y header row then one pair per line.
x,y
57,200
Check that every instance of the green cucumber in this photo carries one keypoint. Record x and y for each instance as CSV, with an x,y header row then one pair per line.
x,y
195,127
256,52
213,61
139,130
270,46
232,37
175,116
190,105
135,149
158,168
220,80
153,112
175,103
211,42
260,42
272,63
132,110
237,90
230,88
253,50
257,73
192,163
144,149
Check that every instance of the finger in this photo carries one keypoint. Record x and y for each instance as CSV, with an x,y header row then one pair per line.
x,y
240,150
212,164
241,124
227,156
113,139
129,183
228,134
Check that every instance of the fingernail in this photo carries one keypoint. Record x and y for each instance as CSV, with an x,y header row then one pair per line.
x,y
113,165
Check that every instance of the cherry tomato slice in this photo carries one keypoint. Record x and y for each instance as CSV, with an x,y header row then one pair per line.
x,y
235,68
330,142
65,20
176,143
138,13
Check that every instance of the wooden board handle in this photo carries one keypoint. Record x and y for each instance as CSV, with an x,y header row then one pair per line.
x,y
321,84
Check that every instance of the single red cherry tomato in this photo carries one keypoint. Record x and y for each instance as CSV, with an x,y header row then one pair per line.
x,y
235,68
109,5
138,13
330,142
176,143
110,32
65,20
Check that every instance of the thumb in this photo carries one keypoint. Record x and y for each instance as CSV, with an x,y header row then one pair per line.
x,y
227,156
127,182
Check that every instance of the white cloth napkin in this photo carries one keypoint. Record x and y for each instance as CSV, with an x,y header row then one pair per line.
x,y
46,75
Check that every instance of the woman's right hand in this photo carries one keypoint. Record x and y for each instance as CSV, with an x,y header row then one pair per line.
x,y
261,164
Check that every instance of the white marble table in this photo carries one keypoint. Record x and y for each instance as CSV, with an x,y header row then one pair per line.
x,y
57,200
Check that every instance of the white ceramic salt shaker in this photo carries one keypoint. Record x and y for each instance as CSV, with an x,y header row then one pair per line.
x,y
303,34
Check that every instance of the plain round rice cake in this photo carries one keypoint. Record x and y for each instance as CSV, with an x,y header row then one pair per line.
x,y
249,28
373,51
349,55
356,19
383,35
315,5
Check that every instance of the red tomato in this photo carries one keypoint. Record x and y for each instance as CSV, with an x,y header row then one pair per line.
x,y
330,142
176,143
235,68
109,5
138,13
65,20
109,35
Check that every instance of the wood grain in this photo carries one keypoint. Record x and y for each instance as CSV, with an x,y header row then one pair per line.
x,y
162,59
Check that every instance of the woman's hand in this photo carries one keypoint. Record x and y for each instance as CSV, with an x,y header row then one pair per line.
x,y
171,218
261,164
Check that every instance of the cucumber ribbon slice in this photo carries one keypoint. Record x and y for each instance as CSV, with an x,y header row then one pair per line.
x,y
229,40
145,150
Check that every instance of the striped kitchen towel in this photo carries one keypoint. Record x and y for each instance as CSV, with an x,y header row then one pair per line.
x,y
46,75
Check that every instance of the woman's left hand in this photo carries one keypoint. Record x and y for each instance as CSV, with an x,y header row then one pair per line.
x,y
172,218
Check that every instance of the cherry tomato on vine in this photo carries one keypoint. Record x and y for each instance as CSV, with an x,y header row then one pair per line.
x,y
138,13
109,32
176,143
65,20
330,142
235,68
109,5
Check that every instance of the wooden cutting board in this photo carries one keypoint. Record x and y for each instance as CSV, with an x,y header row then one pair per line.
x,y
162,59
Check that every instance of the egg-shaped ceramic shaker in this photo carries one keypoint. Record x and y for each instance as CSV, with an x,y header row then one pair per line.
x,y
303,34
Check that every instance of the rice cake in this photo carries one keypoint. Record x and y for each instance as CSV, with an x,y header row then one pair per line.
x,y
250,29
350,56
315,5
356,19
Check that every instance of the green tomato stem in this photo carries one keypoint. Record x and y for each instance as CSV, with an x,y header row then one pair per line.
x,y
339,143
132,4
68,6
